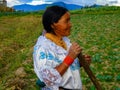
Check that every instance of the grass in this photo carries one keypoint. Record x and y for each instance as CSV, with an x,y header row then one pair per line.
x,y
18,35
98,33
99,36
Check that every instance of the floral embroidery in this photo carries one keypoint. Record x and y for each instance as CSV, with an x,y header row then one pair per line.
x,y
57,60
42,55
75,65
50,56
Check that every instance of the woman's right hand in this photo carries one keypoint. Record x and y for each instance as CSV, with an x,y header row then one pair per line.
x,y
74,50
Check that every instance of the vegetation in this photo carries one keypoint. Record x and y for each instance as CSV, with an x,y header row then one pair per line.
x,y
98,10
96,30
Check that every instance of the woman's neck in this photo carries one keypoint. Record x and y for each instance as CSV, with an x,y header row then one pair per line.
x,y
57,39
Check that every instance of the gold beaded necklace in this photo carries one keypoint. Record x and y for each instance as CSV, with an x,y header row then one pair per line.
x,y
57,40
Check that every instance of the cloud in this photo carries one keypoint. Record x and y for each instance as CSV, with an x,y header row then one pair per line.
x,y
109,2
88,2
11,3
78,2
114,2
101,2
36,2
25,1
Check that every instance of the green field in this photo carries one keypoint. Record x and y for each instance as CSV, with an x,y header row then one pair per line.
x,y
97,30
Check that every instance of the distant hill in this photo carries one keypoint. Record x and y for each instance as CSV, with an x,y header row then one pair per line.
x,y
27,7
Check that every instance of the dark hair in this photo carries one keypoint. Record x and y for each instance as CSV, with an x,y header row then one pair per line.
x,y
52,15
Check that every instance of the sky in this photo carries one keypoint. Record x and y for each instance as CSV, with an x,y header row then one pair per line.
x,y
11,3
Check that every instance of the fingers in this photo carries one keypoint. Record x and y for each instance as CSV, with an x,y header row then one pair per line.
x,y
74,50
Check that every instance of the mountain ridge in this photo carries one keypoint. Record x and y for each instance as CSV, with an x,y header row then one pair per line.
x,y
27,7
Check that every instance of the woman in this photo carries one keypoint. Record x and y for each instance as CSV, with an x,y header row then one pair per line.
x,y
55,57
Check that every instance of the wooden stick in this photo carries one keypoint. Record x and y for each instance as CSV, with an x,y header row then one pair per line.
x,y
89,72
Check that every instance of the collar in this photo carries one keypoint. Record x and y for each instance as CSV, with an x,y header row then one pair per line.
x,y
57,40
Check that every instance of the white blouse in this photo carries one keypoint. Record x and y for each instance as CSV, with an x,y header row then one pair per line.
x,y
47,55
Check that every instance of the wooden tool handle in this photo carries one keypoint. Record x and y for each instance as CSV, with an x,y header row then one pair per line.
x,y
89,72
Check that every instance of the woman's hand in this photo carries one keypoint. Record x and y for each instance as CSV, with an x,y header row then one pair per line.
x,y
74,50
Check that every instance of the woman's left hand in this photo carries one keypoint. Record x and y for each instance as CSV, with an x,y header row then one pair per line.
x,y
87,59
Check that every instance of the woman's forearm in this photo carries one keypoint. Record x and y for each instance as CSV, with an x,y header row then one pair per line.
x,y
61,68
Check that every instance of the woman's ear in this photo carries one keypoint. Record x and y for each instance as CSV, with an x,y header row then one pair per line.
x,y
53,26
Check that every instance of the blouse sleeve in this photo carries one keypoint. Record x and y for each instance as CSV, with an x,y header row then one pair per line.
x,y
44,66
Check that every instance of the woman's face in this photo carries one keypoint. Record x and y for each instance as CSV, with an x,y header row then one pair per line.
x,y
63,26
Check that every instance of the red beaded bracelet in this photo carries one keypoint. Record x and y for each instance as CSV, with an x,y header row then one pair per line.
x,y
68,60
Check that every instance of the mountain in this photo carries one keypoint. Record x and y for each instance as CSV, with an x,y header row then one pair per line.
x,y
28,8
68,6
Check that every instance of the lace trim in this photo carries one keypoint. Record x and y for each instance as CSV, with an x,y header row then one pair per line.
x,y
50,76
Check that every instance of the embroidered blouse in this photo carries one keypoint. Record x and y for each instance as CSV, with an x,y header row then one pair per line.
x,y
46,56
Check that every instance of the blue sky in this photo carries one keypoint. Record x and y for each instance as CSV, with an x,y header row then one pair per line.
x,y
11,3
